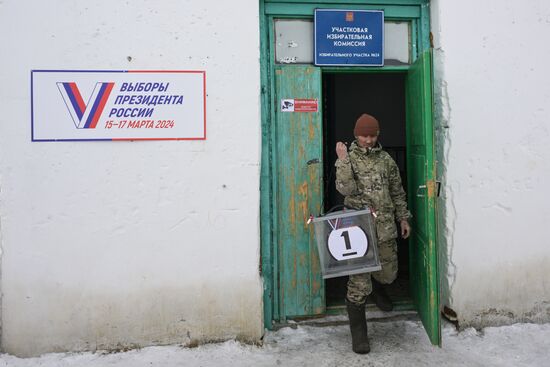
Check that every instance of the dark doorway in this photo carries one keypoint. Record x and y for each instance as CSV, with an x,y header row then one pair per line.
x,y
345,97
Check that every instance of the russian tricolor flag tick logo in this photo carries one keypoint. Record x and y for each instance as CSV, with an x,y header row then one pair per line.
x,y
85,116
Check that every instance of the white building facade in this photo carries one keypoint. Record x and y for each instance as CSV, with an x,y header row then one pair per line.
x,y
492,114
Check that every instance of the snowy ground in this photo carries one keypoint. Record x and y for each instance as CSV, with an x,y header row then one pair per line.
x,y
393,343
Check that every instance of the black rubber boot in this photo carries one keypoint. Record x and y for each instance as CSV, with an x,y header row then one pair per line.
x,y
358,327
380,297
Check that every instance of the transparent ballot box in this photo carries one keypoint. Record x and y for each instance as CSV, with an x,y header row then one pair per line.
x,y
346,241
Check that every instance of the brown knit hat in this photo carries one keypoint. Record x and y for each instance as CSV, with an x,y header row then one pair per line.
x,y
366,125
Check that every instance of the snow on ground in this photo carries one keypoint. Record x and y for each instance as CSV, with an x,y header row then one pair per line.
x,y
393,343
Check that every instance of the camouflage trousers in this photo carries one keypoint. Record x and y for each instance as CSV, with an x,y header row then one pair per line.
x,y
360,285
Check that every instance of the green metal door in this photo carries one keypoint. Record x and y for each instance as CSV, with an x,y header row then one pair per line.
x,y
422,195
299,175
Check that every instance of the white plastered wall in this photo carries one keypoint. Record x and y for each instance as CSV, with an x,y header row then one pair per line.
x,y
108,244
492,89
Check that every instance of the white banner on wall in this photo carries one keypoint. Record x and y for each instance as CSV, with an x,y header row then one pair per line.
x,y
118,105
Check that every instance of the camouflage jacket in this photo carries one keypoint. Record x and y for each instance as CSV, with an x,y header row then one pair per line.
x,y
370,177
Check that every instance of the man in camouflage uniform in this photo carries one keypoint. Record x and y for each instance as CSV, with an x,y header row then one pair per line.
x,y
369,177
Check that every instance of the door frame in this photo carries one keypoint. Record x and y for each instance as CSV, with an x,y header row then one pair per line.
x,y
414,11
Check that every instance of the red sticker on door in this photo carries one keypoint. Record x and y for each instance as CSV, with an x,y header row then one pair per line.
x,y
299,105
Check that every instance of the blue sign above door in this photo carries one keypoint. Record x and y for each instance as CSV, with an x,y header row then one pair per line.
x,y
349,37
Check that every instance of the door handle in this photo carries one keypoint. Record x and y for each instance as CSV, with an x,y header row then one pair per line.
x,y
313,161
421,190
